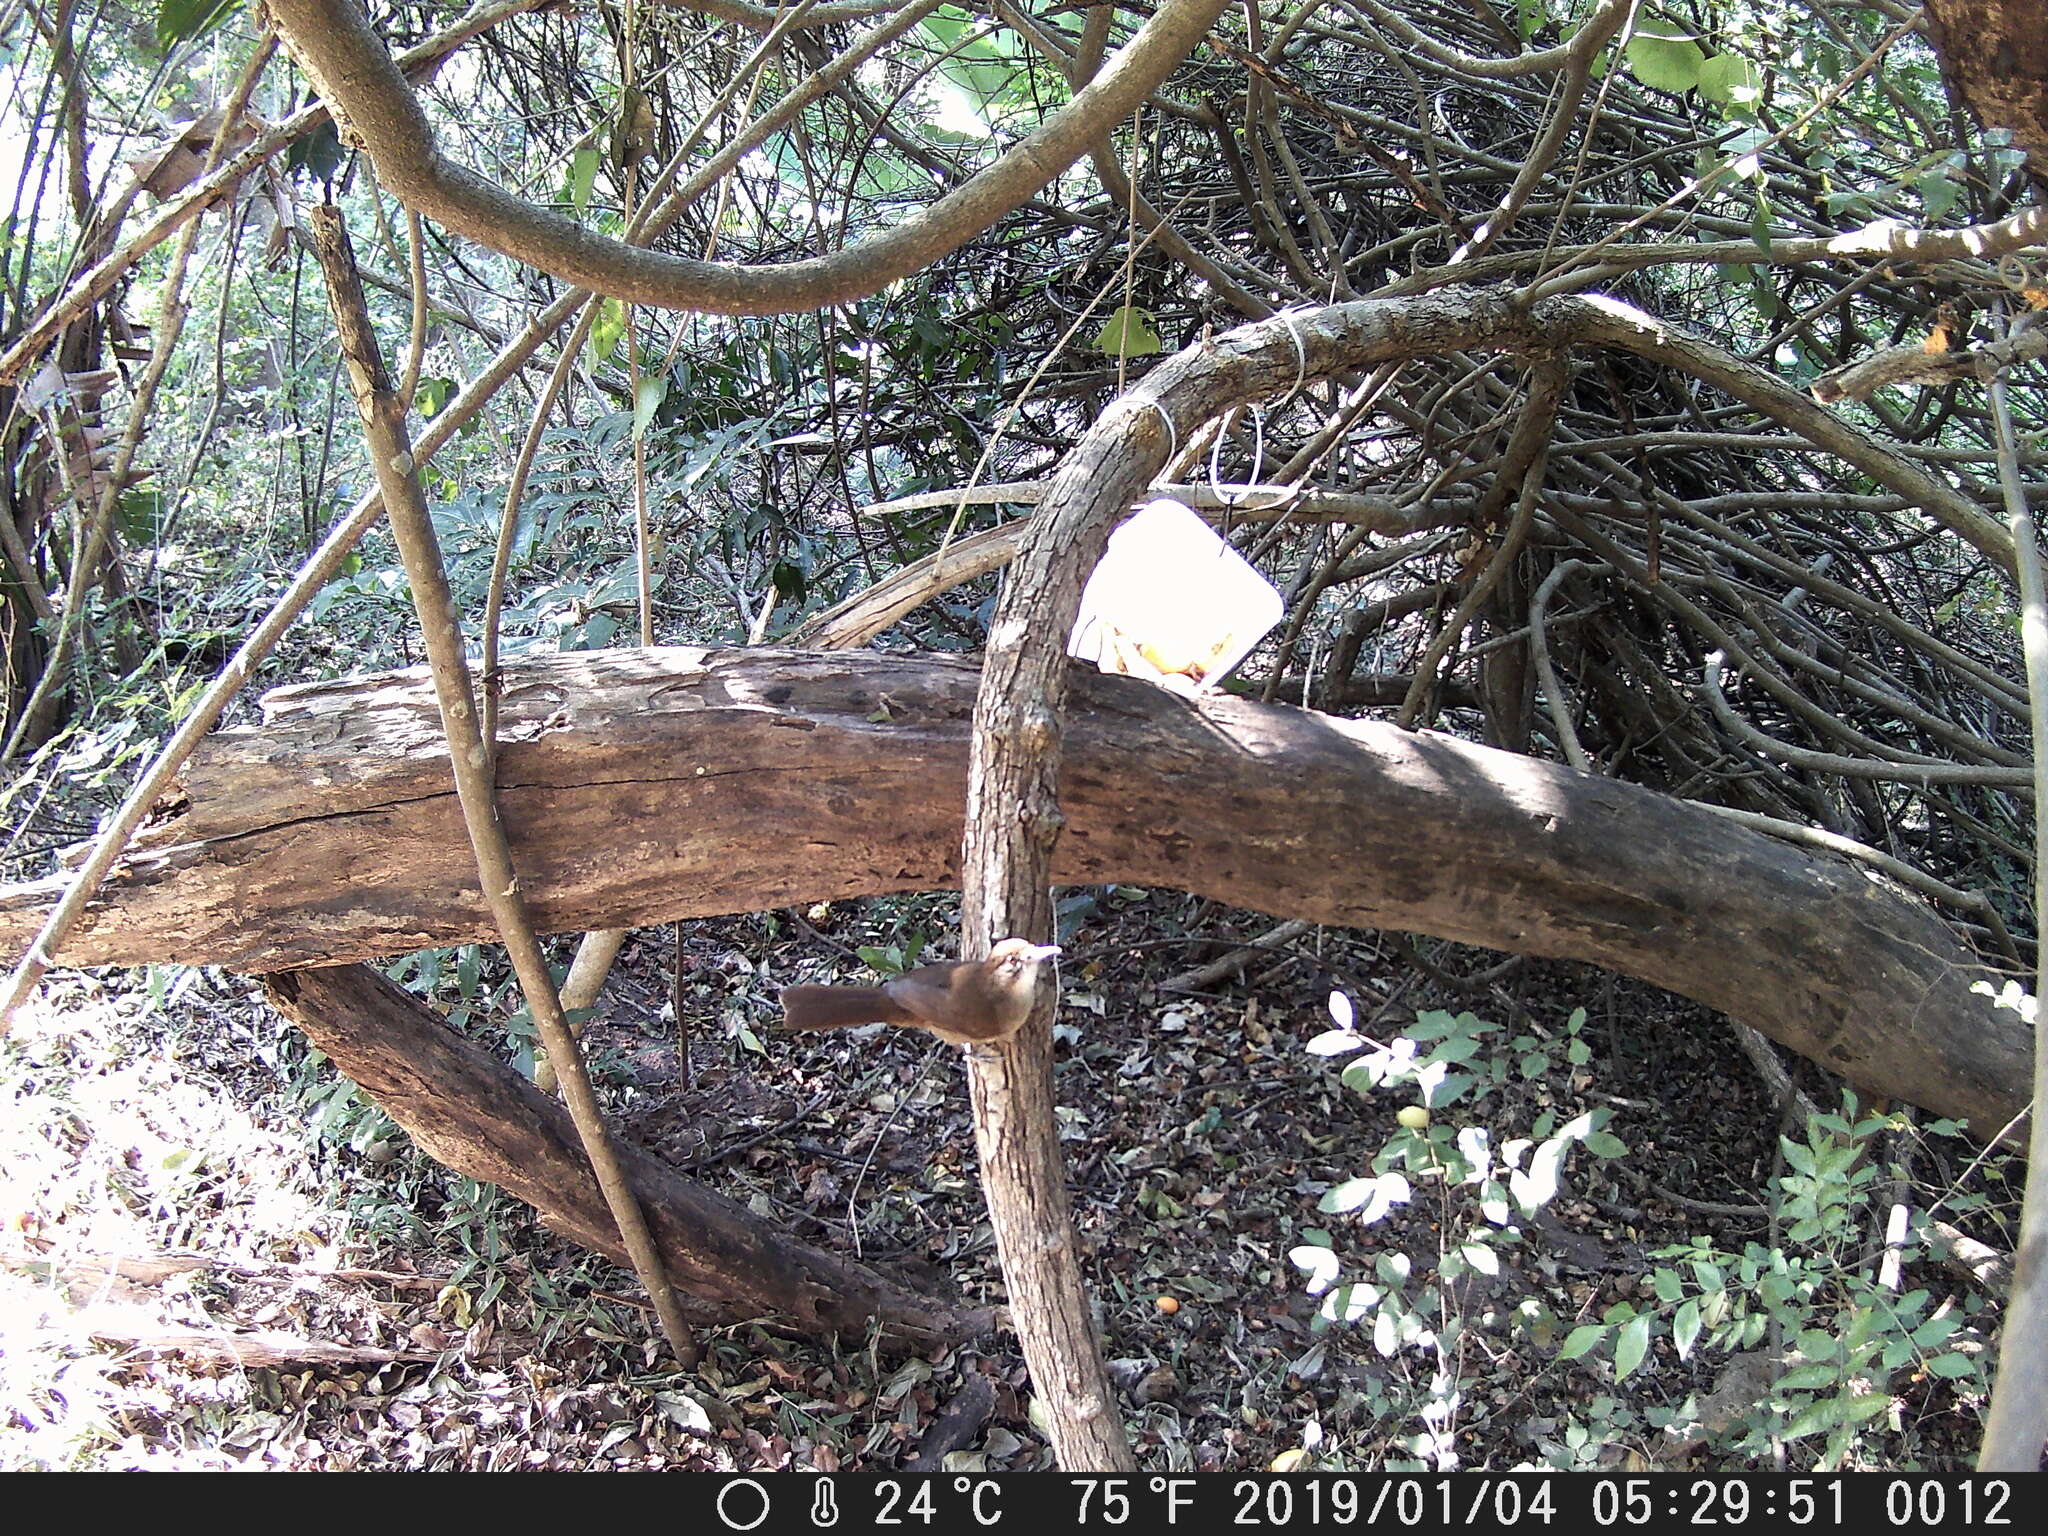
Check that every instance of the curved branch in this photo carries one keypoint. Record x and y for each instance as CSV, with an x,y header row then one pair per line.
x,y
1131,442
1851,767
765,18
1576,50
1610,322
1014,815
349,65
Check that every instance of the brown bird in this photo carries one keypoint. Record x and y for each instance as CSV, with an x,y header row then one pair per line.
x,y
964,1001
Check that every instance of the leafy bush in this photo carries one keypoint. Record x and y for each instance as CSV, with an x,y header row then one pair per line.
x,y
1817,1323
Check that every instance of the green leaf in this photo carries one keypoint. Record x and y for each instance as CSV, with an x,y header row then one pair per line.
x,y
431,395
1631,1347
1319,1263
1461,1049
605,333
1807,1378
1431,1025
1540,1322
1348,1196
1481,1258
793,583
1348,1303
1685,1328
1936,1330
1728,81
987,70
1818,1345
139,514
1581,1339
889,960
1938,191
945,25
1129,333
1665,60
179,21
1371,1198
582,176
1816,1418
1760,222
1582,1126
647,400
317,150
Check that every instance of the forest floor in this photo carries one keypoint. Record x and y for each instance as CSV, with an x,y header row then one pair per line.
x,y
214,1253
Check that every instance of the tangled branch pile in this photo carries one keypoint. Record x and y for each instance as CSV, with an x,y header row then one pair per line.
x,y
1551,552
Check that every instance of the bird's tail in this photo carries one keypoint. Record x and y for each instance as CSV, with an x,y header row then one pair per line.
x,y
839,1007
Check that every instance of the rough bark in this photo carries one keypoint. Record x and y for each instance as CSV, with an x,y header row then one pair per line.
x,y
646,786
468,1110
1994,56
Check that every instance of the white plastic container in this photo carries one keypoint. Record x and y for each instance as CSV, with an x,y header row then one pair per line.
x,y
1171,602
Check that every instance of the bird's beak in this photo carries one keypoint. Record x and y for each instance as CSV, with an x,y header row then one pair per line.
x,y
1041,951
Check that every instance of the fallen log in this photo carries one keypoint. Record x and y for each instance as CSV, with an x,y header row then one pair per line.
x,y
470,1112
643,786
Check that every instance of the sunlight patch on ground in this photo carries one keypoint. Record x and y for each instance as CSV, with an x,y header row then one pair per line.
x,y
110,1154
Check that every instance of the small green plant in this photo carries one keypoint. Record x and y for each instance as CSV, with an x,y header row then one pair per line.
x,y
1837,1322
893,959
1482,1191
1818,1323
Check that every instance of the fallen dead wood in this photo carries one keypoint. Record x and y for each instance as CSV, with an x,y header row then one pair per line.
x,y
472,1113
642,786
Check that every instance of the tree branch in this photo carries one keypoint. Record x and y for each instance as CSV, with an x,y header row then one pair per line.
x,y
349,65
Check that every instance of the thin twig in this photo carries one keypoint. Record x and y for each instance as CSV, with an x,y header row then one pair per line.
x,y
2017,1424
412,524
